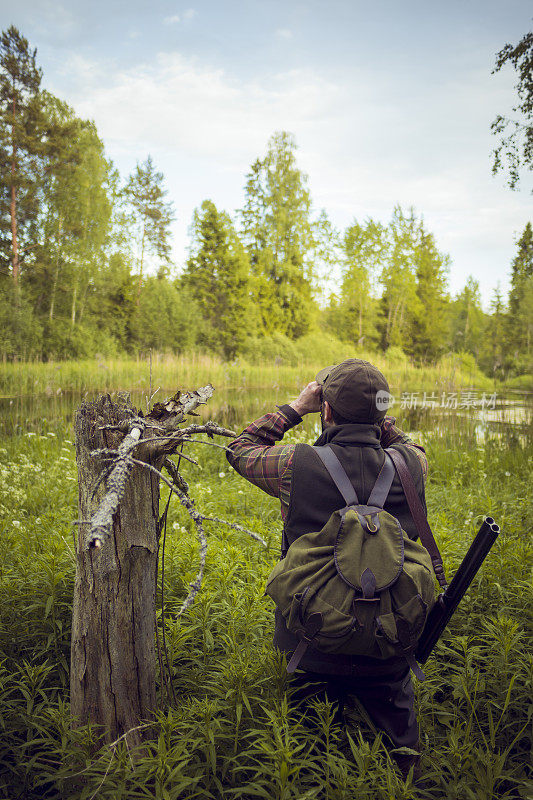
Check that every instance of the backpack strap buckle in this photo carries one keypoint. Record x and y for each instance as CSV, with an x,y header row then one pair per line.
x,y
309,631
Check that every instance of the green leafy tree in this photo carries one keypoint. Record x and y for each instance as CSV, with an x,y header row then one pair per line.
x,y
20,330
112,301
365,247
150,214
278,234
167,317
20,144
218,277
326,256
75,213
429,327
526,321
353,311
467,320
492,351
515,149
400,302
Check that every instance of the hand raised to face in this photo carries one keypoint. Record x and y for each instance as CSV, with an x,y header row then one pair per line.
x,y
309,399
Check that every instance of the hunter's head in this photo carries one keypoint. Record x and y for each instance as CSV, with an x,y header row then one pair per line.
x,y
353,391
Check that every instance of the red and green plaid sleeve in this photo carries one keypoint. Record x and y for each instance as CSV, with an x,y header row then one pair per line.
x,y
256,456
391,434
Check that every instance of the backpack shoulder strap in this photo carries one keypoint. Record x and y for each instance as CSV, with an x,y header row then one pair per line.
x,y
381,488
417,513
338,474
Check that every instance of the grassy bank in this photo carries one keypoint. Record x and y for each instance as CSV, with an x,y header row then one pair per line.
x,y
232,732
193,369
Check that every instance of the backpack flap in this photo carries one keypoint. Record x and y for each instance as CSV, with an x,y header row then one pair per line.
x,y
369,541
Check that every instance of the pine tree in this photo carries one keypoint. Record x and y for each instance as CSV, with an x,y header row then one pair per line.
x,y
217,274
467,320
151,215
20,144
492,355
430,319
517,332
278,234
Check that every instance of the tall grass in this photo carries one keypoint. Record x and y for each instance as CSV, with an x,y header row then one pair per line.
x,y
192,369
234,732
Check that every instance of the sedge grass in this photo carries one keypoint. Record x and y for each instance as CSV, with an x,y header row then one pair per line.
x,y
194,369
233,732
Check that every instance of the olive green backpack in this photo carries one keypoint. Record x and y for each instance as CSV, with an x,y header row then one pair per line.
x,y
360,586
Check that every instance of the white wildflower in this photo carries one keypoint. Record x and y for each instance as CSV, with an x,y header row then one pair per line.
x,y
16,523
221,474
51,434
30,433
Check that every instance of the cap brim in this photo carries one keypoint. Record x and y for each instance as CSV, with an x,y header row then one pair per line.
x,y
324,374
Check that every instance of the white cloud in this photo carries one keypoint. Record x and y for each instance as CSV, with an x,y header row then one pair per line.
x,y
184,107
189,13
284,33
367,143
175,18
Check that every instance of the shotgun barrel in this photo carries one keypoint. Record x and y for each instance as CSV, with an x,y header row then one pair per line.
x,y
447,602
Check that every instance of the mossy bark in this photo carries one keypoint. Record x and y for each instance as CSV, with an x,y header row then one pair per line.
x,y
113,658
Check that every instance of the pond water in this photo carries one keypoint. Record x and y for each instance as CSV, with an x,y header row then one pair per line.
x,y
475,413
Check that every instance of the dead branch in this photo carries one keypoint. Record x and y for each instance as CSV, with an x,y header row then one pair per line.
x,y
102,519
176,475
164,417
236,527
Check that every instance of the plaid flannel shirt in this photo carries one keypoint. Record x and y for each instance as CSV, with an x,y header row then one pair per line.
x,y
256,455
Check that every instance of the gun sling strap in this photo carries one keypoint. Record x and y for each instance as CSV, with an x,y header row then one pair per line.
x,y
418,514
393,461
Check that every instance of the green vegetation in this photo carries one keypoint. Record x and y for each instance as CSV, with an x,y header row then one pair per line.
x,y
514,149
90,302
232,731
269,362
86,266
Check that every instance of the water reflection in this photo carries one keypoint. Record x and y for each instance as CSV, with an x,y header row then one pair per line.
x,y
512,414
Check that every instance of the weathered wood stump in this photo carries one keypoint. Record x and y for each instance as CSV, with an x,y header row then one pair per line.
x,y
113,658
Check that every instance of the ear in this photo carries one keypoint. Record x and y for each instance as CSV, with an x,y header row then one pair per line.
x,y
327,415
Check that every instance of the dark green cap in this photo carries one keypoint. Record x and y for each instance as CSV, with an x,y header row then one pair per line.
x,y
356,390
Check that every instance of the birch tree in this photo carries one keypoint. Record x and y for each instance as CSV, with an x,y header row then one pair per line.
x,y
150,214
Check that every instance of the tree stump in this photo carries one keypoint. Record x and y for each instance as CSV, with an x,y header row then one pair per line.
x,y
113,658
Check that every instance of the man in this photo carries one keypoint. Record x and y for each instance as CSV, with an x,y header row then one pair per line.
x,y
351,398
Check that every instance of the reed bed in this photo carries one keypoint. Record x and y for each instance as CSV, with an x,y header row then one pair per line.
x,y
193,369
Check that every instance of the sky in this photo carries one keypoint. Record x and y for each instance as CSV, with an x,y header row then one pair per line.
x,y
390,103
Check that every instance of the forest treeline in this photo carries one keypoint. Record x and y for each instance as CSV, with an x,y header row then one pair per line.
x,y
86,258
